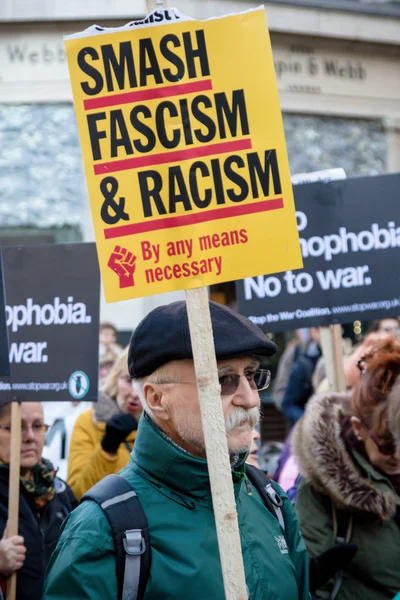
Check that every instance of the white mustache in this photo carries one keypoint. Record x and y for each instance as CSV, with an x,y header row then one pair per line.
x,y
240,416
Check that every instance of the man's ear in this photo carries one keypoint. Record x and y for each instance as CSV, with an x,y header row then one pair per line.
x,y
156,401
358,428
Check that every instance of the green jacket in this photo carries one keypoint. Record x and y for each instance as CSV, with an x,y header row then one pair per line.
x,y
173,488
362,496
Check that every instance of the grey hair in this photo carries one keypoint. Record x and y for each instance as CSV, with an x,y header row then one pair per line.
x,y
138,385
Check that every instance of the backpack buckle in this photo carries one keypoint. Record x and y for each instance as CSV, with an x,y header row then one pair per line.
x,y
134,542
274,497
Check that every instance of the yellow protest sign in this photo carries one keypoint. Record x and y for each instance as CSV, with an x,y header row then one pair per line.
x,y
184,153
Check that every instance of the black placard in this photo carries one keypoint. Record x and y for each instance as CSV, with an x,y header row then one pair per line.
x,y
52,314
350,237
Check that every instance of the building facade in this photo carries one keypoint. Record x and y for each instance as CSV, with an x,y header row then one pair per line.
x,y
338,70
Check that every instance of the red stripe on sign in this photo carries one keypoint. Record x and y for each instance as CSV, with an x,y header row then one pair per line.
x,y
152,94
184,220
171,157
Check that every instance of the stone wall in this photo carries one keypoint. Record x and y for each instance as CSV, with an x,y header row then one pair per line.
x,y
41,171
314,143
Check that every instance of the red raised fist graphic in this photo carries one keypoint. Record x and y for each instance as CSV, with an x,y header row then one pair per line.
x,y
123,263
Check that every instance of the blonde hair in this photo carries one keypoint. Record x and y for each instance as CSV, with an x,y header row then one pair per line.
x,y
120,367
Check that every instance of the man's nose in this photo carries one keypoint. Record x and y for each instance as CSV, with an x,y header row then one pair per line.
x,y
245,395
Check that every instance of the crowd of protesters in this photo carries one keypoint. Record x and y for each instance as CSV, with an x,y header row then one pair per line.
x,y
103,436
339,470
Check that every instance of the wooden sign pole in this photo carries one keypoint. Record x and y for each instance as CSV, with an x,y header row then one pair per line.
x,y
13,498
331,342
216,444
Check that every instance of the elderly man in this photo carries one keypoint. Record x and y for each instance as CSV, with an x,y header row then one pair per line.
x,y
168,471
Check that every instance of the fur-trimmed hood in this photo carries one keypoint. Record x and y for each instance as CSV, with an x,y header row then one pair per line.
x,y
325,461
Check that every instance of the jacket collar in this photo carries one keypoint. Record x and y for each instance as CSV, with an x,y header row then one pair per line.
x,y
161,460
350,481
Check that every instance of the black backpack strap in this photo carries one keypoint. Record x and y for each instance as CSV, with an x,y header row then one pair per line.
x,y
270,497
342,531
130,533
342,525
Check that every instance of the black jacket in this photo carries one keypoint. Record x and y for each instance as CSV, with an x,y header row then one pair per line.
x,y
39,532
299,388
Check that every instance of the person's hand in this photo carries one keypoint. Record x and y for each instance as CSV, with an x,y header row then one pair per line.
x,y
12,553
117,430
326,565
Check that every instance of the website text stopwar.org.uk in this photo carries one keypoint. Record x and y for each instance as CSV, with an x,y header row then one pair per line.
x,y
34,386
318,311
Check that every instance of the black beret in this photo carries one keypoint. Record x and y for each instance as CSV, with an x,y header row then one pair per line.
x,y
163,335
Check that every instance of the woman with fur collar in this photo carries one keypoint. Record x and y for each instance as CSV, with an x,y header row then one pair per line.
x,y
350,469
103,436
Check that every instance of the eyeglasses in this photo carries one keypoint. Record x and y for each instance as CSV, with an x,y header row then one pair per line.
x,y
258,380
37,428
387,448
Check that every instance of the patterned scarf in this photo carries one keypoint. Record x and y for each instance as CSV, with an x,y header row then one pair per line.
x,y
41,485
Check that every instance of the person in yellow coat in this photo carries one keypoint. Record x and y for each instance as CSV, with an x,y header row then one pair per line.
x,y
103,436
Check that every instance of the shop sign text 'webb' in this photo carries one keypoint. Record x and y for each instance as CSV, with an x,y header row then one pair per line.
x,y
184,153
